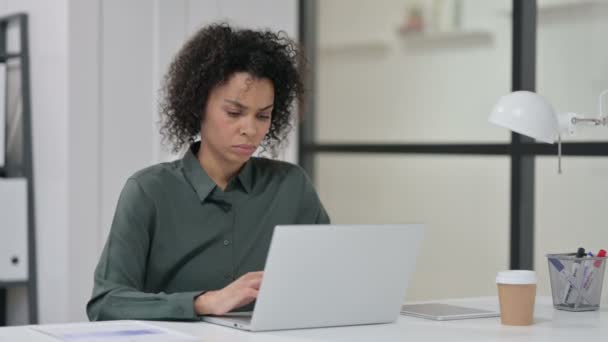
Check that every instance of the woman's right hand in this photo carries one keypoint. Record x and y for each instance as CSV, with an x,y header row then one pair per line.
x,y
238,293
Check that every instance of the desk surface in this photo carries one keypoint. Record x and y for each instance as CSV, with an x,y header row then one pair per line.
x,y
550,325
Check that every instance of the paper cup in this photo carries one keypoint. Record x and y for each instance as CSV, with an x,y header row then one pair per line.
x,y
516,294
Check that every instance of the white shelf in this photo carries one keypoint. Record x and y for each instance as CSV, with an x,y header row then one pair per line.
x,y
568,7
460,37
451,37
565,7
372,45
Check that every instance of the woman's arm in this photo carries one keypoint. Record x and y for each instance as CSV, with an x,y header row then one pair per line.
x,y
119,276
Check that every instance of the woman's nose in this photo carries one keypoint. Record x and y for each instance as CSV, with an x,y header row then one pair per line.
x,y
248,127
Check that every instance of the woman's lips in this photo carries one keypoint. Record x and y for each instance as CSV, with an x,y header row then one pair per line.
x,y
244,149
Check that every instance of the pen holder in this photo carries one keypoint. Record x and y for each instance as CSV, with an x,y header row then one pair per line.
x,y
576,283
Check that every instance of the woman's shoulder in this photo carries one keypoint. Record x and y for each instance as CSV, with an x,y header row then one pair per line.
x,y
157,173
287,178
274,168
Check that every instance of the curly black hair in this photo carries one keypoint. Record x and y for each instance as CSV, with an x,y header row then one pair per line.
x,y
208,59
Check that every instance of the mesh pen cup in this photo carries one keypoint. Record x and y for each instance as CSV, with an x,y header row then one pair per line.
x,y
576,283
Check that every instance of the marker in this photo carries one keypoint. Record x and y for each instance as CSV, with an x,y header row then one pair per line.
x,y
580,253
560,268
596,265
586,268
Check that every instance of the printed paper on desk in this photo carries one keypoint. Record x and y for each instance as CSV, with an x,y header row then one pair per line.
x,y
121,331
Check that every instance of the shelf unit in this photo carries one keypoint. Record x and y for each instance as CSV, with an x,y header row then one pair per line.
x,y
21,166
444,37
363,45
565,7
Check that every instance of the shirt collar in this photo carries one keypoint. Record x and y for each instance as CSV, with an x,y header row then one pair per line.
x,y
200,180
245,176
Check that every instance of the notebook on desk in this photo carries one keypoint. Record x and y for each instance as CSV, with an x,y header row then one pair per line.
x,y
445,312
332,275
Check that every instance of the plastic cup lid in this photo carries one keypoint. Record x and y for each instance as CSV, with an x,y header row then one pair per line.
x,y
517,277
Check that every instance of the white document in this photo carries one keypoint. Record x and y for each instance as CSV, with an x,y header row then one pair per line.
x,y
13,229
2,113
119,331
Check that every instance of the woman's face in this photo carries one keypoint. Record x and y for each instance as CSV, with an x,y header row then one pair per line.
x,y
237,118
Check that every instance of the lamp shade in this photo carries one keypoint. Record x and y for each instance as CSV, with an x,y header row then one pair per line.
x,y
526,113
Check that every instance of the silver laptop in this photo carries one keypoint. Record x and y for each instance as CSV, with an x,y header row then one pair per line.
x,y
332,275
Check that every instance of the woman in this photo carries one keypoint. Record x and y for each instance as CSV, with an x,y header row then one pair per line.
x,y
190,237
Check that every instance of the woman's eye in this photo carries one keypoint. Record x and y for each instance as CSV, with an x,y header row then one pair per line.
x,y
264,116
234,113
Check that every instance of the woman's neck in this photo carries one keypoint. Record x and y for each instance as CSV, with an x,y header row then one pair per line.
x,y
217,168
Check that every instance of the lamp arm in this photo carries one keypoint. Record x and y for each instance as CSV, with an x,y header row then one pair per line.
x,y
567,121
601,106
596,122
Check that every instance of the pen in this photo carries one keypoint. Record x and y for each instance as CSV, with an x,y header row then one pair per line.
x,y
586,268
560,268
580,253
596,265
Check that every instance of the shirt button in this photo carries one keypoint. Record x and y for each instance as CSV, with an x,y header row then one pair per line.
x,y
226,242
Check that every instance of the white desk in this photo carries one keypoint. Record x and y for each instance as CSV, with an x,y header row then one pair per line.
x,y
550,325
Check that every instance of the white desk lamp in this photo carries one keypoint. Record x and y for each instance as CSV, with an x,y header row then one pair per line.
x,y
529,114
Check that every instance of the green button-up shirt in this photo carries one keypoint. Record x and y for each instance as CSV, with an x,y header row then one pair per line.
x,y
176,234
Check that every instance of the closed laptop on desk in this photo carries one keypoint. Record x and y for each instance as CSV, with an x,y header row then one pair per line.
x,y
333,275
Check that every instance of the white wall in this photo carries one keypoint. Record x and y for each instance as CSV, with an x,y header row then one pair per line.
x,y
127,98
96,67
85,108
49,89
